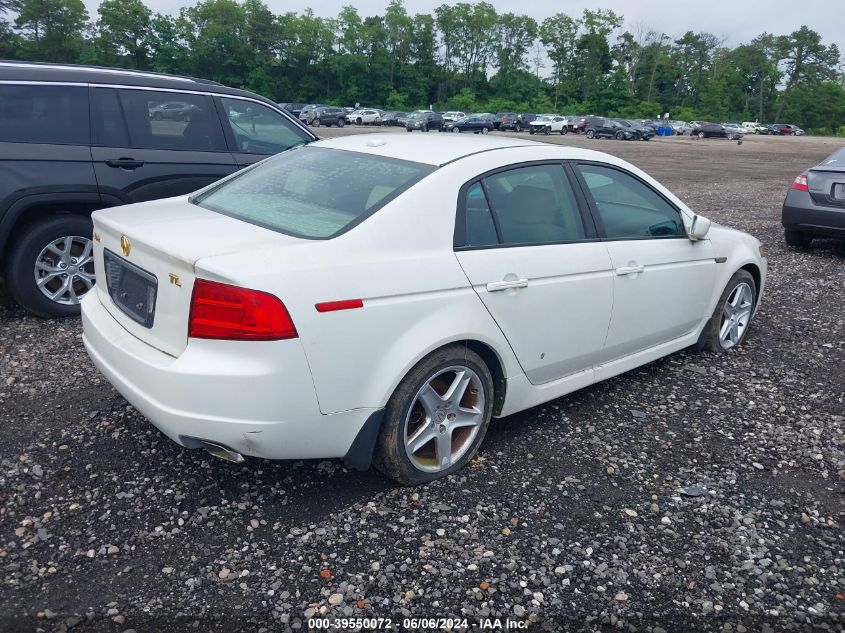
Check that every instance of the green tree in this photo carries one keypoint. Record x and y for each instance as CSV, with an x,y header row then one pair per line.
x,y
124,33
52,28
805,58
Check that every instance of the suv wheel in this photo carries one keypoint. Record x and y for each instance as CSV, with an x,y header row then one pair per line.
x,y
590,133
517,127
51,266
341,122
316,122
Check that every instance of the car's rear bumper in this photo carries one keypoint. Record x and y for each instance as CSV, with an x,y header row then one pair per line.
x,y
256,398
801,213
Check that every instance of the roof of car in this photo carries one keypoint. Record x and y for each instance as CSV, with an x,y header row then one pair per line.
x,y
432,149
74,73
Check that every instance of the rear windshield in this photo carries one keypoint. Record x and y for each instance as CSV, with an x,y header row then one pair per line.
x,y
313,192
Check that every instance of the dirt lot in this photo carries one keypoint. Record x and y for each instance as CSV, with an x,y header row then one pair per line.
x,y
698,493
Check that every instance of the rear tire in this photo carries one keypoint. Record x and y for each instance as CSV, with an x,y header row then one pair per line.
x,y
517,127
796,239
406,417
701,135
26,260
620,136
564,130
341,122
739,300
484,130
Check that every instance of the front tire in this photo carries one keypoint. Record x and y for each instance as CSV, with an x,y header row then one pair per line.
x,y
564,130
517,127
590,134
341,122
620,136
728,326
484,130
316,122
456,130
701,135
796,238
436,419
51,266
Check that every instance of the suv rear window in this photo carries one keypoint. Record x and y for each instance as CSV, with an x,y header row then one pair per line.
x,y
313,192
44,114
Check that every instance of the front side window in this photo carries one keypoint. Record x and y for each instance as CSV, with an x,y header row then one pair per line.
x,y
313,192
534,205
628,208
259,129
44,114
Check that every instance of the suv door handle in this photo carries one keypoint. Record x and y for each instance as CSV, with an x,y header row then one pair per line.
x,y
495,286
629,270
124,163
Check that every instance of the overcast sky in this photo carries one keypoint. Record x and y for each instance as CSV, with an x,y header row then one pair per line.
x,y
737,21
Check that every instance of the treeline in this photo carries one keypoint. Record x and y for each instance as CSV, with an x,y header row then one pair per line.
x,y
463,56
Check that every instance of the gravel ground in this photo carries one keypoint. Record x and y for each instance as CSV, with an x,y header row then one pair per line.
x,y
698,493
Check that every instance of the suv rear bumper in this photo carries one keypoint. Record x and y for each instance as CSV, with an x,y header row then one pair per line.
x,y
801,213
256,398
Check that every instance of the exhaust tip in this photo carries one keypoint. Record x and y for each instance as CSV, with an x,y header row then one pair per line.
x,y
218,450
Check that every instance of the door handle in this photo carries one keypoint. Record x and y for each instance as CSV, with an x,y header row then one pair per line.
x,y
124,163
629,270
495,286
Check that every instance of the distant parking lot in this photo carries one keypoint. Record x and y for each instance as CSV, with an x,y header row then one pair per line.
x,y
697,492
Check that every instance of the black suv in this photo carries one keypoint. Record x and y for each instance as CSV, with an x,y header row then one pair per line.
x,y
76,138
424,121
607,128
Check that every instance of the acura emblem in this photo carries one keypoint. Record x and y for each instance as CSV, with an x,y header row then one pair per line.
x,y
125,245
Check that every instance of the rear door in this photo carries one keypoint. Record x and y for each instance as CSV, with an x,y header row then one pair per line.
x,y
532,256
663,281
255,130
141,154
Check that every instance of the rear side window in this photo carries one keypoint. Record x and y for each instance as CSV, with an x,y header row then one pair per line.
x,y
629,208
480,229
313,192
535,205
44,114
152,119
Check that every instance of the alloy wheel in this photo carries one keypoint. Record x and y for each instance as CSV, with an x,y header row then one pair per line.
x,y
64,269
444,419
736,315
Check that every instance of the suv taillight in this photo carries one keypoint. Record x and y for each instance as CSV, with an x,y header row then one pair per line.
x,y
221,311
800,183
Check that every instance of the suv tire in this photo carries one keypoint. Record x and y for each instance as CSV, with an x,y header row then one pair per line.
x,y
30,247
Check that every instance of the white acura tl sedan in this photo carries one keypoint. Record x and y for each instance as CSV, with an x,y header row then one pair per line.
x,y
380,297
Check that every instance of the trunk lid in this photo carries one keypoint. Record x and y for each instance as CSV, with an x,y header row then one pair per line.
x,y
158,243
827,185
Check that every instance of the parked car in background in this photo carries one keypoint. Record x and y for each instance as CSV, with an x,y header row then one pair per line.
x,y
815,202
78,138
402,119
507,120
517,123
468,124
577,124
735,130
750,127
449,266
548,123
453,115
391,117
682,128
641,132
294,108
324,115
781,129
598,127
714,130
487,116
796,131
305,112
424,121
365,116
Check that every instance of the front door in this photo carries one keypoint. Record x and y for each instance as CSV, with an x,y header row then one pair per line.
x,y
663,281
533,259
150,144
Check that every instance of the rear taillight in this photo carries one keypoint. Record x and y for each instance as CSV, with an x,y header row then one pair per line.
x,y
800,183
221,311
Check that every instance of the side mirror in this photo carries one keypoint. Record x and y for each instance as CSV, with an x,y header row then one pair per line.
x,y
699,228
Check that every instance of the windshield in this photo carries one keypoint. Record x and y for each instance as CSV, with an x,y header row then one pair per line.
x,y
313,192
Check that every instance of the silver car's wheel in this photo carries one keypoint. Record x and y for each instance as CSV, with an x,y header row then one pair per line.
x,y
444,419
64,269
736,315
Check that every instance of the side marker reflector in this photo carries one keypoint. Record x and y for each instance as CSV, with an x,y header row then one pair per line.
x,y
345,304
